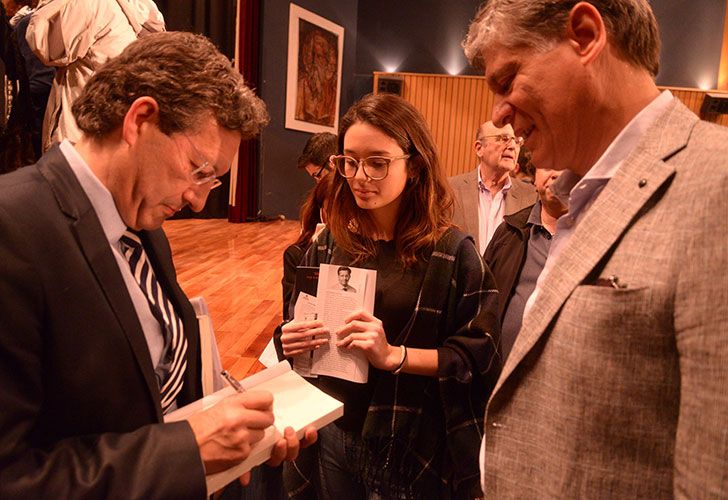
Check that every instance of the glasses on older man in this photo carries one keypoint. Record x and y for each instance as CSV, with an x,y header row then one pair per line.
x,y
375,168
505,139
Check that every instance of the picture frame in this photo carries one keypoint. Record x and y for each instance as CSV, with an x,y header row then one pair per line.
x,y
315,59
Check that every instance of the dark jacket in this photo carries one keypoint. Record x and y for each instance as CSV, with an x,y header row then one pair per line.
x,y
80,413
506,254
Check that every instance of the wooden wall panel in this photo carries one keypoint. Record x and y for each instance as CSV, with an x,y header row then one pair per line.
x,y
454,107
693,99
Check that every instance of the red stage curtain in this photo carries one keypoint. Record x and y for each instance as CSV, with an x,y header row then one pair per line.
x,y
245,200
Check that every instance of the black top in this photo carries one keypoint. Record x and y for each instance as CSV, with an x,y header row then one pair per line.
x,y
396,296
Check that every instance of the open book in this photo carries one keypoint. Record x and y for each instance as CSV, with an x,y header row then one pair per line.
x,y
340,290
296,403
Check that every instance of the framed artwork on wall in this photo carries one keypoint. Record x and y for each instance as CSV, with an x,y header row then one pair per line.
x,y
315,57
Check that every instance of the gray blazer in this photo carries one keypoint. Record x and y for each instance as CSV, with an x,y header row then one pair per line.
x,y
623,393
465,188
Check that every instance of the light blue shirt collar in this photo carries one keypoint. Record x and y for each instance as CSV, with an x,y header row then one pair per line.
x,y
580,192
100,197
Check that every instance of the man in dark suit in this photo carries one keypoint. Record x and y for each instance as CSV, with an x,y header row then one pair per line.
x,y
617,383
97,339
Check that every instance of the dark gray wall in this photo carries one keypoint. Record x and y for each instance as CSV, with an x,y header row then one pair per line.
x,y
424,37
427,39
283,186
692,35
413,36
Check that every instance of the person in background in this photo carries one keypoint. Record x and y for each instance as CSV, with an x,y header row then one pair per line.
x,y
413,430
300,477
314,159
617,383
40,76
16,147
77,37
525,171
315,156
98,341
313,219
517,253
484,195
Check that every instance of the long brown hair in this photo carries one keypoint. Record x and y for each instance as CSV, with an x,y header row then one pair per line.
x,y
425,211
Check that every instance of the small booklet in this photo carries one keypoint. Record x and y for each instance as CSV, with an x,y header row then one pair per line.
x,y
296,403
340,290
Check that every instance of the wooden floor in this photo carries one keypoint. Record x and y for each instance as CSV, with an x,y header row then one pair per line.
x,y
237,268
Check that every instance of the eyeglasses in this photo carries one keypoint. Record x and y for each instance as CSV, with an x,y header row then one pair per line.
x,y
204,173
505,139
375,168
319,173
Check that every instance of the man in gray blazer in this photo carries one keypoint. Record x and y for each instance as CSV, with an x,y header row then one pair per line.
x,y
617,384
484,195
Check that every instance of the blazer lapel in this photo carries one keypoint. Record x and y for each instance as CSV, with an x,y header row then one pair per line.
x,y
92,241
619,203
518,197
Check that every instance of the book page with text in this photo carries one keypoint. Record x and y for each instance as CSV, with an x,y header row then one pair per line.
x,y
341,291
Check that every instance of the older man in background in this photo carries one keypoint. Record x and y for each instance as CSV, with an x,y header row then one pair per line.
x,y
617,384
483,196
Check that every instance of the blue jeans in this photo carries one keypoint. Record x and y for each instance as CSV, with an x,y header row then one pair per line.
x,y
339,478
265,483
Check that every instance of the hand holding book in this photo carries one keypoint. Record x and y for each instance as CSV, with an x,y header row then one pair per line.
x,y
300,337
364,331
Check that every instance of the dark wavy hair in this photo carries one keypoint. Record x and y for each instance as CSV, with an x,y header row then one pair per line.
x,y
317,150
187,76
426,208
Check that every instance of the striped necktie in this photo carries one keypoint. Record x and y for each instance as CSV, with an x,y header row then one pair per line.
x,y
174,356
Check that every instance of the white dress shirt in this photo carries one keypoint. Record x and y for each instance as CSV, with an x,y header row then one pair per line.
x,y
114,227
491,208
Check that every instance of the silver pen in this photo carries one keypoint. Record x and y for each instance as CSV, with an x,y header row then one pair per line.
x,y
232,381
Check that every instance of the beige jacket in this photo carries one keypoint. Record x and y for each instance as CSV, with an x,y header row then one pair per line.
x,y
78,36
623,392
465,209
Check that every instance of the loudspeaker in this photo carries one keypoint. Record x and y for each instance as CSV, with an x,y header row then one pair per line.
x,y
715,103
390,85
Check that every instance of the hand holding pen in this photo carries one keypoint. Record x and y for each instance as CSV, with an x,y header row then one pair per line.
x,y
232,381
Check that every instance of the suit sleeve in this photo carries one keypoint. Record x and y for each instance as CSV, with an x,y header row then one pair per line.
x,y
153,461
701,325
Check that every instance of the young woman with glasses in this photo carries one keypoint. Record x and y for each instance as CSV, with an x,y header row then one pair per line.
x,y
414,429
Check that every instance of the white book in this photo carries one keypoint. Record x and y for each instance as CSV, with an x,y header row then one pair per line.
x,y
340,293
296,404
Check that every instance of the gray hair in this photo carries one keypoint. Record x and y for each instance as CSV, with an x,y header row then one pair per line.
x,y
538,24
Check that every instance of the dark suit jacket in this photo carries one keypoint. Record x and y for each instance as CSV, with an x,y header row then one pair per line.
x,y
80,406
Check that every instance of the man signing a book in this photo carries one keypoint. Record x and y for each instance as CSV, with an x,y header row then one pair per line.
x,y
97,339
